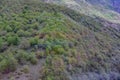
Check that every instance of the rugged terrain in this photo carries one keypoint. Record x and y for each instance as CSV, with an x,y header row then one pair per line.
x,y
107,9
48,41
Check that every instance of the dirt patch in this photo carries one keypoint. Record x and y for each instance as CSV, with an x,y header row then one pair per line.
x,y
32,74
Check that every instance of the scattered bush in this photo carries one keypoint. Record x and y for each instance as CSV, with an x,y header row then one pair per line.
x,y
59,30
54,69
22,33
23,57
13,40
34,41
8,29
1,42
24,44
58,49
25,69
32,58
40,54
7,64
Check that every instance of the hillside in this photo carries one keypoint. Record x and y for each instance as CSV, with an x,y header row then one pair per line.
x,y
102,8
110,4
45,41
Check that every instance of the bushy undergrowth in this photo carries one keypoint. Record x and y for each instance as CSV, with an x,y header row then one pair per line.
x,y
29,32
69,41
7,63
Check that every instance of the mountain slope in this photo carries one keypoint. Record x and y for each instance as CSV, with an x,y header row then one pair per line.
x,y
101,8
65,43
110,4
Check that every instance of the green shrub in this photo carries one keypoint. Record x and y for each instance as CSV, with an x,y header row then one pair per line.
x,y
40,54
7,64
58,49
35,25
8,29
23,33
34,41
54,69
25,69
1,42
20,32
32,58
23,57
13,40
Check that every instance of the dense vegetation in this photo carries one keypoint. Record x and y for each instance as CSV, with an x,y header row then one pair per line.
x,y
66,40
